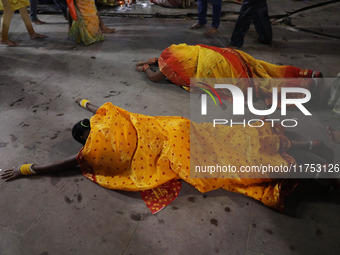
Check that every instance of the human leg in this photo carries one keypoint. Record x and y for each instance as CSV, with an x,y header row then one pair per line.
x,y
5,23
33,9
202,14
242,23
25,17
262,22
216,13
62,6
86,29
216,16
34,12
103,28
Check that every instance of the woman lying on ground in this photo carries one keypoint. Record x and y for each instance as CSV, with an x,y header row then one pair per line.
x,y
8,7
135,152
179,63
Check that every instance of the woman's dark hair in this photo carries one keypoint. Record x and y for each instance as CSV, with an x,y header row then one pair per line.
x,y
79,129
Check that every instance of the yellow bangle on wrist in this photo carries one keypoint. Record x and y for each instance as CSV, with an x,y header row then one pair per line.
x,y
27,169
83,103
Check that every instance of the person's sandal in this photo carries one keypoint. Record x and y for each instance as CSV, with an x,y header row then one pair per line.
x,y
211,31
196,26
38,22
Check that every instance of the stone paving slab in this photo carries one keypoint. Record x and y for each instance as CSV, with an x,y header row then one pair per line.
x,y
319,19
173,231
274,233
83,218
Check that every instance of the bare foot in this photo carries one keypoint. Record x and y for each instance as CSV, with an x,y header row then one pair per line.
x,y
333,134
212,31
321,149
9,43
38,22
107,30
36,36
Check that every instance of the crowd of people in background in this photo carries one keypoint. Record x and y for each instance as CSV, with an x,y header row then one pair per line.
x,y
86,26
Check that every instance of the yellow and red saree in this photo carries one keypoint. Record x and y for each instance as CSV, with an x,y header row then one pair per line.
x,y
86,28
134,152
181,62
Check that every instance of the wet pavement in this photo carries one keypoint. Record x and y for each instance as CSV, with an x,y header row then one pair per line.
x,y
68,214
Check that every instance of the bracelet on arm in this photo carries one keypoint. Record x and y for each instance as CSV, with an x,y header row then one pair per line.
x,y
83,103
146,67
152,61
27,169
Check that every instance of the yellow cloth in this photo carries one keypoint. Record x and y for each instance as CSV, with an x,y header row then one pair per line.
x,y
86,28
134,152
15,4
179,63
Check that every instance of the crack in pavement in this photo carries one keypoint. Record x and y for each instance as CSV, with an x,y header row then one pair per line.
x,y
287,20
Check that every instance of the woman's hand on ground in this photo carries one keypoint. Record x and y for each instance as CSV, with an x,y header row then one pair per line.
x,y
139,68
150,61
141,63
10,174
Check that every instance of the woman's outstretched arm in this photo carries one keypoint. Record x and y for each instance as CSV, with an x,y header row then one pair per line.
x,y
144,66
155,76
87,105
31,169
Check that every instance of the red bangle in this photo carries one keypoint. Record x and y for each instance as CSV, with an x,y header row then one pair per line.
x,y
152,61
146,67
